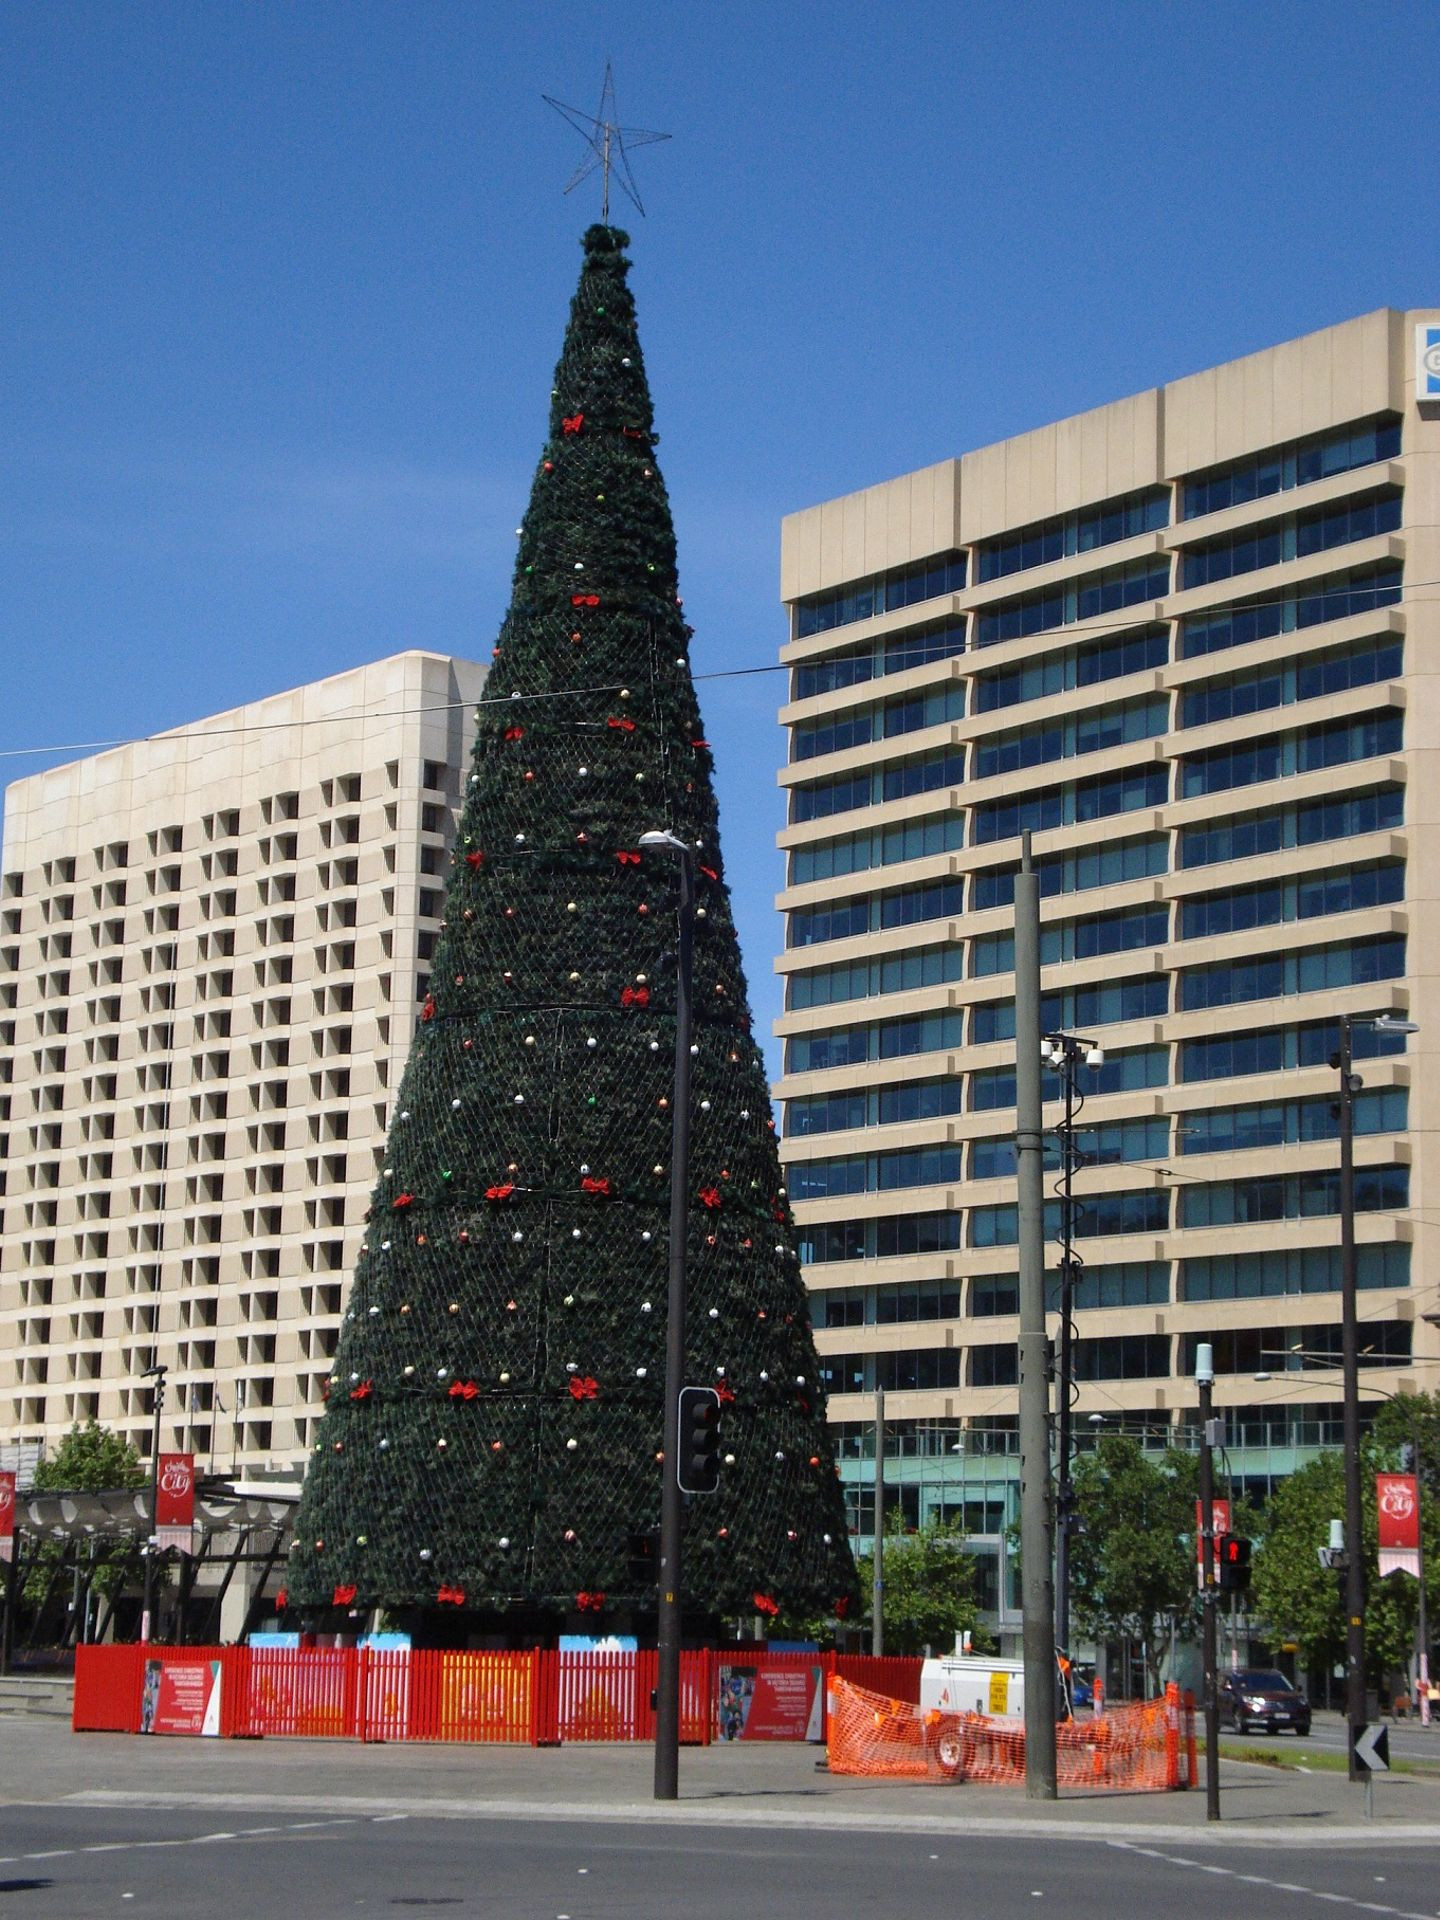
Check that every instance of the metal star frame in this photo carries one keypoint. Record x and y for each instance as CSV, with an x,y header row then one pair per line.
x,y
607,141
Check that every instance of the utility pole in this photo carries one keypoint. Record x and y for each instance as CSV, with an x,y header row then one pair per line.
x,y
152,1551
1036,1592
1205,1382
1350,1390
877,1585
670,1597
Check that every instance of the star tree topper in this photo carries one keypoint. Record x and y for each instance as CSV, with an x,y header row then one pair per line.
x,y
607,141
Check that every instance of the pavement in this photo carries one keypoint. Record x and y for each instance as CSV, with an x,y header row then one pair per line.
x,y
755,1786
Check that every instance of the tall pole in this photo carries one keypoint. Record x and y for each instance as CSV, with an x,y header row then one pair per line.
x,y
1350,1357
877,1589
152,1551
1205,1382
1036,1593
1422,1626
667,1679
1065,1498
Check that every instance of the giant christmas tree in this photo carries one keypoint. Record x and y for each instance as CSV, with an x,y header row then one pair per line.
x,y
492,1432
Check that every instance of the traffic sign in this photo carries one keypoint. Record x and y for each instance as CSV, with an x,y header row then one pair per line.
x,y
1372,1748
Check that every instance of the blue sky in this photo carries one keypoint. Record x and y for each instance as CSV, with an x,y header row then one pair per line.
x,y
282,285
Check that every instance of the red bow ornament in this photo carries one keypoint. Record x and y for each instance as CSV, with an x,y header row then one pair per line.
x,y
342,1596
633,433
450,1597
596,1184
590,1602
499,1194
475,860
362,1392
584,599
514,733
635,997
463,1390
764,1604
583,1387
710,1197
710,873
282,1599
627,859
621,725
427,1012
402,1200
725,1393
572,422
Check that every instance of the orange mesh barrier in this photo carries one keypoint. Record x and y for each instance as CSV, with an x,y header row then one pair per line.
x,y
1133,1749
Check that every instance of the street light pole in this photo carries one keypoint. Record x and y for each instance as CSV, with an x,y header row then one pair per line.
x,y
1350,1408
1205,1382
157,1374
668,1622
1065,1051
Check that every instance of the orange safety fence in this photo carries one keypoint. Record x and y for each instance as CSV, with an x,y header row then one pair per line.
x,y
1145,1748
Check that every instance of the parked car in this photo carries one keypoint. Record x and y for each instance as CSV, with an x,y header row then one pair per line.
x,y
1260,1697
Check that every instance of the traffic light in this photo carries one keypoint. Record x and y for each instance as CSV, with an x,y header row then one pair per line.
x,y
698,1467
1234,1563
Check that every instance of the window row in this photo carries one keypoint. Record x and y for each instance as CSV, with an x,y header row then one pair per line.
x,y
1276,756
859,726
895,653
1335,597
1084,598
1290,539
1223,984
900,587
1283,683
1068,668
1270,903
1072,533
869,786
1228,1056
1298,464
1309,824
880,847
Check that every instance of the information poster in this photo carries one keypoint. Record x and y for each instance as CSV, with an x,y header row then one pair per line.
x,y
181,1697
769,1703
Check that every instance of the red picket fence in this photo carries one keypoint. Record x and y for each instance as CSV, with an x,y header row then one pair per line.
x,y
532,1698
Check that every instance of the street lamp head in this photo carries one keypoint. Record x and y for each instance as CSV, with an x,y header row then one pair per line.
x,y
1205,1364
661,837
1392,1023
1095,1057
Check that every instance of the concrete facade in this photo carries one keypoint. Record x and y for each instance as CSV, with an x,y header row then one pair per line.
x,y
212,946
1187,639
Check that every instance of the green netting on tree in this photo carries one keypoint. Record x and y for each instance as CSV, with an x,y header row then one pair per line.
x,y
493,1423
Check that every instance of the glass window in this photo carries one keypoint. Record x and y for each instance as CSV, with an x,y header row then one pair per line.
x,y
1334,597
1254,1276
1279,1123
1294,465
902,587
1080,599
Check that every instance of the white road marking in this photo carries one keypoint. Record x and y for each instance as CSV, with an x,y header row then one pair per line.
x,y
1280,1886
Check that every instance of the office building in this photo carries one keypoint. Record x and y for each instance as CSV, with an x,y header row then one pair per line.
x,y
1186,640
212,946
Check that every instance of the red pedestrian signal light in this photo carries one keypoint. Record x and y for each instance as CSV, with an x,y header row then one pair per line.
x,y
1234,1563
698,1467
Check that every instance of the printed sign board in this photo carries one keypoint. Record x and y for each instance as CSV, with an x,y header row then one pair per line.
x,y
1427,361
7,1515
769,1703
181,1697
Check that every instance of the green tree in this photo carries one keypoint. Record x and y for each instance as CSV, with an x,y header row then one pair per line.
x,y
1132,1559
1303,1601
494,1419
929,1582
90,1459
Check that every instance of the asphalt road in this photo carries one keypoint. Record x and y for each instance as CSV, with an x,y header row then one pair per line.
x,y
1408,1739
79,1862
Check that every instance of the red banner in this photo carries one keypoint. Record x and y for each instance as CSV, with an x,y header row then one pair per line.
x,y
7,1515
1221,1512
1397,1511
175,1501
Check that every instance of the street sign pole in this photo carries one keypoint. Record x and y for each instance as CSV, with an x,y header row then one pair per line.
x,y
1370,1751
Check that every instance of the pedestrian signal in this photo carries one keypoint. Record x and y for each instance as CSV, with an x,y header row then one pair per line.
x,y
1234,1563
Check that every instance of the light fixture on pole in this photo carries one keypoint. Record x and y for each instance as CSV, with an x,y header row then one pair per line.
x,y
152,1546
1350,1085
669,1599
1064,1053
